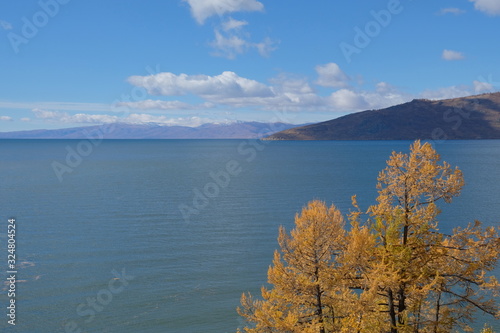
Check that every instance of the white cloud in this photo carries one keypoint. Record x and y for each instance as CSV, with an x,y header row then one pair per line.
x,y
229,44
64,117
134,118
447,92
232,24
5,25
92,118
289,84
352,100
266,46
451,10
490,7
230,38
232,90
26,119
330,75
292,93
384,88
285,92
385,95
348,100
226,85
450,55
482,87
164,105
203,9
5,118
163,120
490,80
44,114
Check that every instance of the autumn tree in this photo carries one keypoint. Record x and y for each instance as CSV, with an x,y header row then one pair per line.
x,y
433,281
393,270
304,297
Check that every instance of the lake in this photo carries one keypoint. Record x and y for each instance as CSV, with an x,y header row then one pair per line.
x,y
167,234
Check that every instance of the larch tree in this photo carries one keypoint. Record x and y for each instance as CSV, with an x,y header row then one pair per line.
x,y
304,297
392,272
431,281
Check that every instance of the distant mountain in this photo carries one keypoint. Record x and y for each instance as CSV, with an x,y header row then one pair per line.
x,y
473,117
238,130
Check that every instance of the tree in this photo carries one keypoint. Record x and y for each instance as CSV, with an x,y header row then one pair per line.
x,y
304,297
391,272
434,281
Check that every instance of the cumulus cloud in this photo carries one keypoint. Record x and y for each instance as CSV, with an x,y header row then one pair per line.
x,y
490,7
450,55
226,85
284,92
203,9
229,89
451,10
330,75
353,100
347,100
26,119
5,118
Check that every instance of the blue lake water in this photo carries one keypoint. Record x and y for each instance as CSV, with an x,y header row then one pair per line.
x,y
191,224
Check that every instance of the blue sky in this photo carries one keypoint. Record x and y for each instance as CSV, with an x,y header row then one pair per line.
x,y
68,63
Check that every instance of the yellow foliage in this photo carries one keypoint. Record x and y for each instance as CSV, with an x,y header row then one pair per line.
x,y
305,296
394,272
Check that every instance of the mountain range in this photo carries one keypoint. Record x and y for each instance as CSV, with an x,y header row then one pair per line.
x,y
465,118
237,130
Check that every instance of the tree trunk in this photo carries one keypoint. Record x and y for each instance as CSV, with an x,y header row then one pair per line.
x,y
438,309
319,308
401,304
392,312
319,303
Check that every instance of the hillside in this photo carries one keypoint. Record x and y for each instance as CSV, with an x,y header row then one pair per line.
x,y
466,118
238,130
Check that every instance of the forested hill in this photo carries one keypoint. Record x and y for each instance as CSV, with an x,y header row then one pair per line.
x,y
465,118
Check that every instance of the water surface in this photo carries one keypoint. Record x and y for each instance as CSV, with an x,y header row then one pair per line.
x,y
194,222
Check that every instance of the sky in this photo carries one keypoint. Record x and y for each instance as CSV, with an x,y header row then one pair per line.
x,y
68,63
